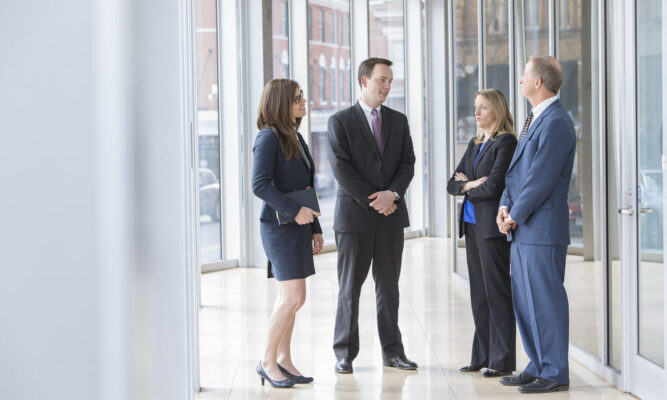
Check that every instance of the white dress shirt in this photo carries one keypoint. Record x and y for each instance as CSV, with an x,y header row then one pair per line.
x,y
367,112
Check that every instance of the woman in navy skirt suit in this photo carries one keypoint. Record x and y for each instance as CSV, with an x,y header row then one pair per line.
x,y
282,164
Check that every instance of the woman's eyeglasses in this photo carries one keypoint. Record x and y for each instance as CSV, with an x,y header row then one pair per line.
x,y
298,98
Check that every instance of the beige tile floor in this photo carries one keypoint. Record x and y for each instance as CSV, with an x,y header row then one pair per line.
x,y
435,320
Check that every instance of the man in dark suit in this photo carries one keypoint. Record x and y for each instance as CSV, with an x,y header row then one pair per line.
x,y
373,161
534,215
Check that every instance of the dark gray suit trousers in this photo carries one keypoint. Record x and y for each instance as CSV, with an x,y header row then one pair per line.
x,y
355,253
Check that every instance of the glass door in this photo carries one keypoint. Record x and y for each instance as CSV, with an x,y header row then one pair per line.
x,y
647,357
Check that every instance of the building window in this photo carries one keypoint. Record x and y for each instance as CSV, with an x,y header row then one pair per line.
x,y
332,28
283,18
321,25
310,83
310,23
323,85
333,81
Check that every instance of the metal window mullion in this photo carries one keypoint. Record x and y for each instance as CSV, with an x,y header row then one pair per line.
x,y
512,56
481,46
553,29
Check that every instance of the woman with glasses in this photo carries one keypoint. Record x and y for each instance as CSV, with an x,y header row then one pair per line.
x,y
290,233
480,178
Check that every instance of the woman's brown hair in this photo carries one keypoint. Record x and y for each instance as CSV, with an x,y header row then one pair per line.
x,y
275,112
504,120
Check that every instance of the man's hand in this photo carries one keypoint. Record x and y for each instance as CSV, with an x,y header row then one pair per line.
x,y
383,202
318,243
504,222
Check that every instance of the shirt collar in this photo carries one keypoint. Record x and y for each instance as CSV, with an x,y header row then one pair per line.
x,y
538,109
367,109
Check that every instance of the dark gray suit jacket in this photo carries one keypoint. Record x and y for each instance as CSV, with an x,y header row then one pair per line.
x,y
361,171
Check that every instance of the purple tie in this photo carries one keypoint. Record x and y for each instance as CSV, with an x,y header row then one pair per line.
x,y
376,121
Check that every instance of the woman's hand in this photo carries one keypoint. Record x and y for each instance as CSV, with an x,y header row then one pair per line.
x,y
318,243
460,176
473,184
306,216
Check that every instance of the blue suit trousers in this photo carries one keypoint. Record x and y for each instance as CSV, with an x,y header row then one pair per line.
x,y
541,308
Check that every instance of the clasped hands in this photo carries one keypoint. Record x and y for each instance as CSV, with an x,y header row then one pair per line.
x,y
383,202
505,223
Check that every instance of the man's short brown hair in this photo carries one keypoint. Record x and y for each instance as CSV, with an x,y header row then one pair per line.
x,y
549,70
366,67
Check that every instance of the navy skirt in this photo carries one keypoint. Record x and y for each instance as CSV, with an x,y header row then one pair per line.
x,y
289,249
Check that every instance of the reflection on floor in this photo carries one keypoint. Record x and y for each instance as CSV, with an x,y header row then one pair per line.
x,y
435,320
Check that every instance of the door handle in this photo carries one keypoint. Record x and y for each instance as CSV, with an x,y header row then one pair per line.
x,y
646,210
626,211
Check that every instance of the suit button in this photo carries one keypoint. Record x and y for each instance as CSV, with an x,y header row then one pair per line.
x,y
379,170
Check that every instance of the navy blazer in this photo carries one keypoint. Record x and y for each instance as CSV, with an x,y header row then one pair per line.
x,y
361,170
272,176
493,163
538,179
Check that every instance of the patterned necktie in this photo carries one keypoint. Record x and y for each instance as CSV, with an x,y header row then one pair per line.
x,y
526,125
376,122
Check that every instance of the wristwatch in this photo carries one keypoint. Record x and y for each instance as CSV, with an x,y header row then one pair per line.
x,y
397,198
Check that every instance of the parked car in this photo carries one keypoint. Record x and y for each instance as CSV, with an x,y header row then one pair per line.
x,y
209,194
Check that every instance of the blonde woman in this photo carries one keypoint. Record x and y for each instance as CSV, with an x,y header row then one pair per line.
x,y
480,178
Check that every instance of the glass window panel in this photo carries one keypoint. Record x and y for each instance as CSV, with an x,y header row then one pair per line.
x,y
387,40
536,27
320,21
649,180
208,131
280,38
323,75
584,277
496,14
466,77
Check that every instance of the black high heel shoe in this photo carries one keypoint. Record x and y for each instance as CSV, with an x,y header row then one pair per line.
x,y
276,384
295,378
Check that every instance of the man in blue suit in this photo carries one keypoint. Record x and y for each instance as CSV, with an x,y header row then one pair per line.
x,y
534,215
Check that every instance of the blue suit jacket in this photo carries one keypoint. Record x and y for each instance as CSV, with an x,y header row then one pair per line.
x,y
538,178
272,176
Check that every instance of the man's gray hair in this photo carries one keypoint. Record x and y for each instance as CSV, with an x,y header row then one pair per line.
x,y
549,70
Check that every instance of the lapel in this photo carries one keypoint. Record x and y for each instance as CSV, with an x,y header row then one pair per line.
x,y
310,159
386,123
489,143
366,130
531,132
469,162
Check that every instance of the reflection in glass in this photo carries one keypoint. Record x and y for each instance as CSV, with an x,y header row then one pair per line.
x,y
329,80
280,38
649,180
208,131
467,83
536,27
584,272
387,40
497,53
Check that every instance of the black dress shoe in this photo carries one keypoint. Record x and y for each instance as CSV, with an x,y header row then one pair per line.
x,y
344,366
295,378
470,368
517,380
400,362
489,373
541,385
